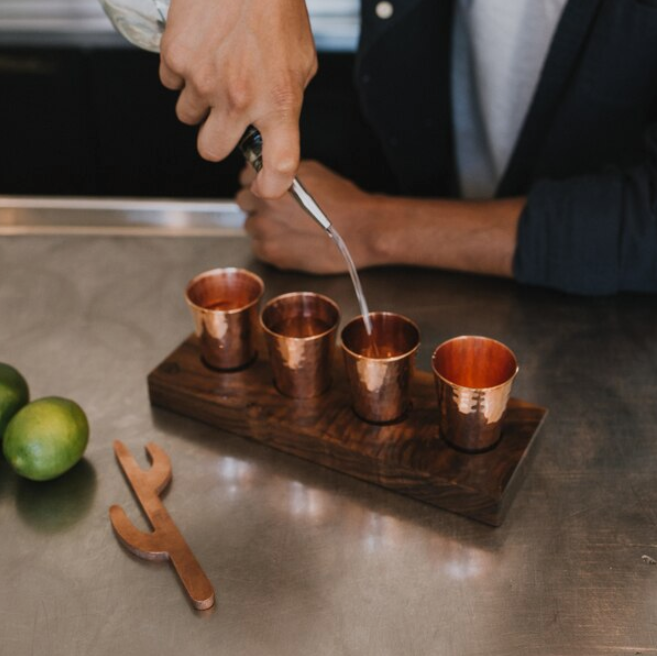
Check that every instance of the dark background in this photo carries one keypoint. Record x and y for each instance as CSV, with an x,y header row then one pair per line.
x,y
97,122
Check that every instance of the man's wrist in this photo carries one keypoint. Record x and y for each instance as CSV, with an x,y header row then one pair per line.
x,y
381,229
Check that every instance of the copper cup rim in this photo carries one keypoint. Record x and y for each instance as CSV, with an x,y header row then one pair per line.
x,y
308,338
451,383
225,270
391,358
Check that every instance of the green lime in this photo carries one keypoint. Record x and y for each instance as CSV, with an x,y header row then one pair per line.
x,y
14,394
46,438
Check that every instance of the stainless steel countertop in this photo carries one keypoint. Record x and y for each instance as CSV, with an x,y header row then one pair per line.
x,y
335,24
305,560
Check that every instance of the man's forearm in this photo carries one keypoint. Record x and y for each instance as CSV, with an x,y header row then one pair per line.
x,y
474,236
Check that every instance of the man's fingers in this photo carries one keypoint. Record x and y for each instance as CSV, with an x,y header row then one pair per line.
x,y
218,136
246,201
251,226
280,157
262,230
170,79
247,176
190,108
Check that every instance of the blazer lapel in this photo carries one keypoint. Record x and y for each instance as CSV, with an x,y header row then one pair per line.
x,y
402,98
569,39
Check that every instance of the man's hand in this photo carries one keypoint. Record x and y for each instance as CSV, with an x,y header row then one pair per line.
x,y
474,236
241,62
284,235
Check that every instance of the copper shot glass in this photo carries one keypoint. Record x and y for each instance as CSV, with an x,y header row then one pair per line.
x,y
300,330
224,305
473,376
380,366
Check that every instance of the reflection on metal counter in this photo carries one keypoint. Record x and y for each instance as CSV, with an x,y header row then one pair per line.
x,y
164,217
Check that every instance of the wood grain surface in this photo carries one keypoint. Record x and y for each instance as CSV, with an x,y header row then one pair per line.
x,y
407,457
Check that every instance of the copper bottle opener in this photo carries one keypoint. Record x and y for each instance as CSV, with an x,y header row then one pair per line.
x,y
165,542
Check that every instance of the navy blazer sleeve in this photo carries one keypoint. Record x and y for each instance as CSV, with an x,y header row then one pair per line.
x,y
593,234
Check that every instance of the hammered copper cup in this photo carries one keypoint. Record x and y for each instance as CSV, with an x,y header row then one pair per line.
x,y
224,305
474,376
380,367
300,330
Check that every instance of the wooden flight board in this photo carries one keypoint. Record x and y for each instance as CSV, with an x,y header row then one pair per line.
x,y
407,457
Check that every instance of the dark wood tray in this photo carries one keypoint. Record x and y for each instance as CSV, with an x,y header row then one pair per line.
x,y
407,457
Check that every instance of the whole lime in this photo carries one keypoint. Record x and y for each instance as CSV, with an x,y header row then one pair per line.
x,y
14,394
46,438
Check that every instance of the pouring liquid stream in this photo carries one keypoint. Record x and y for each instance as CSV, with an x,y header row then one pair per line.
x,y
307,202
353,273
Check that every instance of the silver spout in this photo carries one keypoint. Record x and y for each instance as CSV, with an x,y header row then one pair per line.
x,y
251,146
309,204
